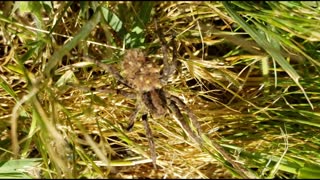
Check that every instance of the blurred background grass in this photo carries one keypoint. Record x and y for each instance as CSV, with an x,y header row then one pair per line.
x,y
248,70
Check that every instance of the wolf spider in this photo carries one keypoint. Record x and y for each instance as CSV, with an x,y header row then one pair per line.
x,y
147,80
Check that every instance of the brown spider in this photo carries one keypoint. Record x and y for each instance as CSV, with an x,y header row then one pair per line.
x,y
146,78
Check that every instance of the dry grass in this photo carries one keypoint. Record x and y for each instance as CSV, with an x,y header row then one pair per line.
x,y
66,112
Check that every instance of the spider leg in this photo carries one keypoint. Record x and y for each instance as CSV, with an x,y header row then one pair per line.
x,y
177,113
191,115
147,101
218,148
110,69
124,93
169,68
174,61
174,108
164,51
150,140
133,118
129,95
118,91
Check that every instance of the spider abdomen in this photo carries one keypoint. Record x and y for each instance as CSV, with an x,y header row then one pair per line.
x,y
155,101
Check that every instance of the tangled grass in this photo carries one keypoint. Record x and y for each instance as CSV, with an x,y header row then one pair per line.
x,y
249,71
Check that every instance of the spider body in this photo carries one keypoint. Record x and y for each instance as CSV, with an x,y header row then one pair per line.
x,y
147,79
144,76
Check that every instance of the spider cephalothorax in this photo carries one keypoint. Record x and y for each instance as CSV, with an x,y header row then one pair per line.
x,y
143,75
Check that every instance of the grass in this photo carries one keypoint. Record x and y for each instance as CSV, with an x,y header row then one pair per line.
x,y
251,79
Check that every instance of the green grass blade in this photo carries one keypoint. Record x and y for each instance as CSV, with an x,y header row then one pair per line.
x,y
17,168
309,171
81,35
113,21
5,86
262,41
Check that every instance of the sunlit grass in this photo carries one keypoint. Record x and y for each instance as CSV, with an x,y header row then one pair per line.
x,y
252,81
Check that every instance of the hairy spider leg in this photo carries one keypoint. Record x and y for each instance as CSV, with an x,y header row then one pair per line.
x,y
148,102
164,51
177,113
110,69
192,117
169,68
150,140
133,118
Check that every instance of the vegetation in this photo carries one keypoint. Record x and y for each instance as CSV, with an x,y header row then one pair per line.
x,y
248,70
